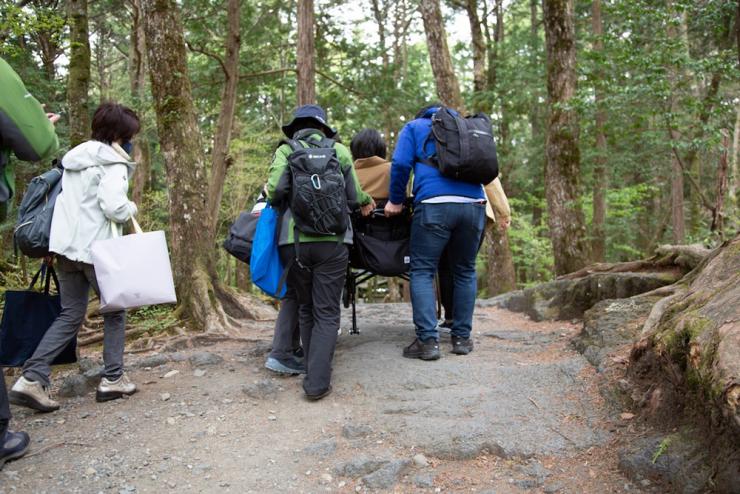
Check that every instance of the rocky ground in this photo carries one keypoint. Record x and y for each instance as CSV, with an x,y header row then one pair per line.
x,y
522,413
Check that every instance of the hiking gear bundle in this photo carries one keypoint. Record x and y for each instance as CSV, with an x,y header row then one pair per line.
x,y
241,236
465,147
32,231
265,265
27,317
318,198
133,270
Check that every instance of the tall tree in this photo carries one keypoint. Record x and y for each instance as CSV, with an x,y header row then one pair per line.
x,y
220,159
448,89
562,168
501,274
202,298
598,241
305,54
479,46
79,72
137,81
678,222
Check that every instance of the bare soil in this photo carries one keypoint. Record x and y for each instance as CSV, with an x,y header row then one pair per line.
x,y
522,413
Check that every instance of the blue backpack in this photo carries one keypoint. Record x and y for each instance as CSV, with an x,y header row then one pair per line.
x,y
266,268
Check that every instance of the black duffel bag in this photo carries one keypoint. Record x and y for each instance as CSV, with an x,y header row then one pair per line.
x,y
238,242
27,316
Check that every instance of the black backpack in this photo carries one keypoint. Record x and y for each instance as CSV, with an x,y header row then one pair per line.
x,y
465,147
32,230
318,199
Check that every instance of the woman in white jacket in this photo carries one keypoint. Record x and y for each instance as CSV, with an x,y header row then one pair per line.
x,y
92,203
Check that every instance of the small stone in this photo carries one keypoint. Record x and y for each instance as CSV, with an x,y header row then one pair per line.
x,y
199,373
199,359
271,417
171,373
171,484
90,471
75,385
552,488
325,478
424,480
171,420
322,448
165,396
420,460
355,431
626,416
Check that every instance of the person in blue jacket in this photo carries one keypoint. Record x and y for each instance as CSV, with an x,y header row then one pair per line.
x,y
447,213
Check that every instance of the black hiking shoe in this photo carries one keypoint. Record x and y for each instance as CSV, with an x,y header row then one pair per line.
x,y
13,445
462,346
320,395
425,350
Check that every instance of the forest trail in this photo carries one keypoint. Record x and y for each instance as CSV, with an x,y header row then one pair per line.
x,y
522,413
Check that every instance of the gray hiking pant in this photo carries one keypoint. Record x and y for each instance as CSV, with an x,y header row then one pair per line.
x,y
75,280
287,337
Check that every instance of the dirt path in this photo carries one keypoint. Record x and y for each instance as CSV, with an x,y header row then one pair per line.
x,y
520,414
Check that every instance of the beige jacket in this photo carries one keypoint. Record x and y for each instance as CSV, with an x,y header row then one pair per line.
x,y
497,207
374,174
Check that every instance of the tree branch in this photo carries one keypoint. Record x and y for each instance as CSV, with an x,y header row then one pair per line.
x,y
343,86
203,51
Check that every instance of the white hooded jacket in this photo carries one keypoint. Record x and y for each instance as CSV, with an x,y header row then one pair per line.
x,y
94,194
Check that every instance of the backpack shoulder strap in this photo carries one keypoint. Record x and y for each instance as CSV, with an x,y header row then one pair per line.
x,y
294,145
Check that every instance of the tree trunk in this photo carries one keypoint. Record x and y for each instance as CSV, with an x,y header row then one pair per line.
x,y
734,171
501,276
598,242
305,54
203,300
79,72
137,79
221,160
562,169
479,48
500,270
448,88
677,204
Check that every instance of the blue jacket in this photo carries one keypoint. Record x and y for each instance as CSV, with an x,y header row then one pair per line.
x,y
414,145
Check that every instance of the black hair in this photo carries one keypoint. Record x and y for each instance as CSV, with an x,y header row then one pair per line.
x,y
113,122
420,113
367,142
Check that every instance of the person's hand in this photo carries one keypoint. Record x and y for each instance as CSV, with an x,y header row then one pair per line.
x,y
393,209
504,225
51,116
367,209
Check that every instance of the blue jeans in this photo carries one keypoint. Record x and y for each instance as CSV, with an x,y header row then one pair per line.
x,y
434,227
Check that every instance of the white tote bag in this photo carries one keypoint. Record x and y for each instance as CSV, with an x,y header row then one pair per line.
x,y
133,270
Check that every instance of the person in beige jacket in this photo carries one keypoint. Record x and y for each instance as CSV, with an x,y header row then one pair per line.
x,y
498,213
373,170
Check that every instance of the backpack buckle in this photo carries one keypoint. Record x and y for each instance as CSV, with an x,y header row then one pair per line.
x,y
316,181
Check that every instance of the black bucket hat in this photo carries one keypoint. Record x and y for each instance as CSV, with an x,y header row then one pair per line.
x,y
308,114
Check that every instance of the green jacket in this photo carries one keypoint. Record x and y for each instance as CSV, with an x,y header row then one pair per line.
x,y
278,190
24,129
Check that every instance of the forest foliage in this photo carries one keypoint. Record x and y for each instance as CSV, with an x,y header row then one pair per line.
x,y
666,75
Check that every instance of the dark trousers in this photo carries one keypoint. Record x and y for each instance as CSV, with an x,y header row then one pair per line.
x,y
287,336
4,406
318,278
